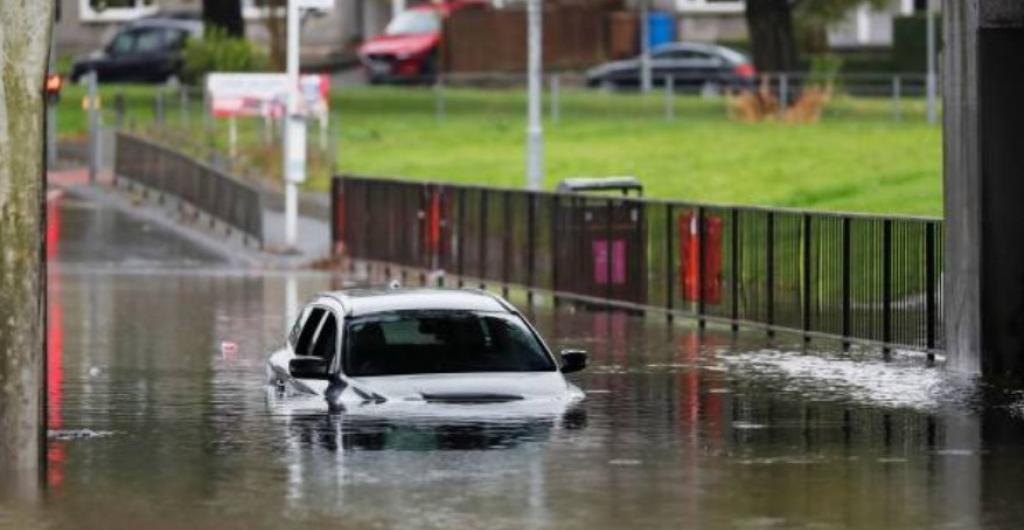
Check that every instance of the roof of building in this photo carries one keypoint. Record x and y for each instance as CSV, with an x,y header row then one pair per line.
x,y
358,302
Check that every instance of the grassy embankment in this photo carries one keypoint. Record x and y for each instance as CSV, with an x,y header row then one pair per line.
x,y
859,158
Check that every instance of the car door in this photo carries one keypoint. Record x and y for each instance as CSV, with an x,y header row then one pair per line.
x,y
117,57
149,62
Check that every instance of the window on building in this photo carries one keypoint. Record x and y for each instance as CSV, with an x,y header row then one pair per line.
x,y
114,10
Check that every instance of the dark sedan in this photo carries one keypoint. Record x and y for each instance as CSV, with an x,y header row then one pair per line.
x,y
149,50
692,66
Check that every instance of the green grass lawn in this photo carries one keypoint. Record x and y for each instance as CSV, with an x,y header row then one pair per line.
x,y
859,158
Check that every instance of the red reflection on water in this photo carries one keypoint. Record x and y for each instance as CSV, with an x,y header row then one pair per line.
x,y
55,450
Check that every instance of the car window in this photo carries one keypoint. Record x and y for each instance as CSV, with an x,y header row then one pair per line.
x,y
424,342
149,41
414,22
305,338
174,39
123,43
326,338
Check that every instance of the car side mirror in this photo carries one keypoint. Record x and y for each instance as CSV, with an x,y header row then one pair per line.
x,y
573,361
308,368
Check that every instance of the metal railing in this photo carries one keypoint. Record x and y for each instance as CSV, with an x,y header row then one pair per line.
x,y
169,172
857,278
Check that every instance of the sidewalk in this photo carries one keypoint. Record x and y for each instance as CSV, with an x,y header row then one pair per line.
x,y
314,234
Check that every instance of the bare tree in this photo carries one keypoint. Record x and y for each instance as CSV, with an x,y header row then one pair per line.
x,y
25,27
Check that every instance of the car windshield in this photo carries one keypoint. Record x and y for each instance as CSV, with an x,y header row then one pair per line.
x,y
434,342
414,21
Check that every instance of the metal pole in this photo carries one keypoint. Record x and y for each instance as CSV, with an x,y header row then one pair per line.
x,y
645,46
783,93
933,113
232,137
184,106
51,133
534,130
295,132
670,98
94,127
439,108
897,94
555,111
159,106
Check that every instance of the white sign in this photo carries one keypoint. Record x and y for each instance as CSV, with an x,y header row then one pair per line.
x,y
258,94
325,5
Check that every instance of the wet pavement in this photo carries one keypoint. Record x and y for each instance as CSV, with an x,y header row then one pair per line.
x,y
161,419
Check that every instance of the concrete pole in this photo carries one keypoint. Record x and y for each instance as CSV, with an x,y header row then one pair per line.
x,y
933,83
534,130
25,31
645,46
295,132
94,127
983,294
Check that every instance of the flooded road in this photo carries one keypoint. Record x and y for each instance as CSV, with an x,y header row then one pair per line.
x,y
158,425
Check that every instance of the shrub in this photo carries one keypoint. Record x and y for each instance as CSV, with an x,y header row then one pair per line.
x,y
219,52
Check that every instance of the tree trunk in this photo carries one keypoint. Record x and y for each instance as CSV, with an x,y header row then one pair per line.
x,y
226,15
770,23
25,27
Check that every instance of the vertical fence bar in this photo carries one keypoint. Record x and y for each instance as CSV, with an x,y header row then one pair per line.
x,y
506,240
701,291
887,282
608,253
783,93
769,276
929,252
531,242
734,251
806,276
555,103
460,238
669,265
897,89
846,280
482,249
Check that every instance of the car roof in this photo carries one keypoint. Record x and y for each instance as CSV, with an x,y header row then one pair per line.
x,y
717,49
192,26
359,302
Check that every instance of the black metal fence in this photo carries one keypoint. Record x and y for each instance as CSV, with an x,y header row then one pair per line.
x,y
854,277
220,196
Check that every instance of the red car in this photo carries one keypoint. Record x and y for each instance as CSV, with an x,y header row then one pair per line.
x,y
407,50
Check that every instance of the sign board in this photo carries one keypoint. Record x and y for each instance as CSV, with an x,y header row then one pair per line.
x,y
324,5
264,95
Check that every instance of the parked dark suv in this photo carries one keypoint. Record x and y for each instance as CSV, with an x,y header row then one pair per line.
x,y
692,66
149,50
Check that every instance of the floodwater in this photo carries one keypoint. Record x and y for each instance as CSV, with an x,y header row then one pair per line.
x,y
161,420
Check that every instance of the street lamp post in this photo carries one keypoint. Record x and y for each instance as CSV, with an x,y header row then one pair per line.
x,y
295,130
534,129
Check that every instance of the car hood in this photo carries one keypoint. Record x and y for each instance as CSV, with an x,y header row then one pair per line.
x,y
476,387
400,44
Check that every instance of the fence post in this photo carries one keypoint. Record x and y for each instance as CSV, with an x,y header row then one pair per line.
x,y
94,127
897,94
670,98
887,283
846,281
735,263
460,237
184,105
608,254
669,265
770,272
531,242
119,108
506,240
482,250
555,103
929,249
807,275
701,302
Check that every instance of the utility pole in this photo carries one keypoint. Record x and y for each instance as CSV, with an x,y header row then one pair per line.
x,y
645,46
933,78
534,129
295,130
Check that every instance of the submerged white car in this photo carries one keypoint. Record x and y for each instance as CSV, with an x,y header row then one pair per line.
x,y
403,348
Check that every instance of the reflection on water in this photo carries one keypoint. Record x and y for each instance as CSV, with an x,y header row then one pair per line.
x,y
158,426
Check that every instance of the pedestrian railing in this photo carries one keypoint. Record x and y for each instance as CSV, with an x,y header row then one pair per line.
x,y
856,278
238,205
